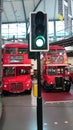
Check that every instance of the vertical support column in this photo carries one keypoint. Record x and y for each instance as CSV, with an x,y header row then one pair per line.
x,y
67,17
60,9
55,38
0,44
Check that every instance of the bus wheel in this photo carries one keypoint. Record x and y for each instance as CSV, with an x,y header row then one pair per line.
x,y
29,91
4,93
67,88
64,89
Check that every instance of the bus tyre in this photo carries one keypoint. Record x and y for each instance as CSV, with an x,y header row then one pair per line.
x,y
4,93
44,86
29,91
64,89
67,88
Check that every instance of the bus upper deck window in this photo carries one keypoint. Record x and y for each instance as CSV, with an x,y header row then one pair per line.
x,y
22,51
51,51
61,52
10,51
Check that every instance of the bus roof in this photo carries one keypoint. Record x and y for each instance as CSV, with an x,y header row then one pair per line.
x,y
56,47
24,45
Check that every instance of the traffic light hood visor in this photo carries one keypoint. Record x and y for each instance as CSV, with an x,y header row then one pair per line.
x,y
39,17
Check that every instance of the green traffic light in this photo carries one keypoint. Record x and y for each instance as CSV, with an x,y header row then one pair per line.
x,y
40,41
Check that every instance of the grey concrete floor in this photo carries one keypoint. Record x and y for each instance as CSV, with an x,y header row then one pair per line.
x,y
20,113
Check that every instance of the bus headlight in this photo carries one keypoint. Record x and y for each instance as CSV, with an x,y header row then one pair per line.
x,y
65,82
27,84
5,85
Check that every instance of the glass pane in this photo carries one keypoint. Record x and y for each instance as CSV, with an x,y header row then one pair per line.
x,y
22,51
51,28
9,71
10,51
60,28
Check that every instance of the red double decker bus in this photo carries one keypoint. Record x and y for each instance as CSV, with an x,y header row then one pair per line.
x,y
16,68
55,74
56,55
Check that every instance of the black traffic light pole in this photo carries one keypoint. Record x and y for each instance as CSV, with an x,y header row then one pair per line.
x,y
38,43
39,98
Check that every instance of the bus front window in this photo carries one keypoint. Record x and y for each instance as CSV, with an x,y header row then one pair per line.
x,y
60,70
61,52
52,70
9,72
22,71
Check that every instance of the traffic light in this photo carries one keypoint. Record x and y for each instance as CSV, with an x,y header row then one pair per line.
x,y
38,32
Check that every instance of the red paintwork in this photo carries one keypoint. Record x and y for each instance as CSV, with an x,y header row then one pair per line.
x,y
53,67
17,83
57,96
6,57
56,57
25,79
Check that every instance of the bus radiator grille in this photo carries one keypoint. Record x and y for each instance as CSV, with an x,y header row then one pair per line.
x,y
16,87
59,81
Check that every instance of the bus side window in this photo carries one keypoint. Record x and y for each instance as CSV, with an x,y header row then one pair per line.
x,y
71,69
66,71
44,71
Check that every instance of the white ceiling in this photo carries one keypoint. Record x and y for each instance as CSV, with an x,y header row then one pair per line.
x,y
19,10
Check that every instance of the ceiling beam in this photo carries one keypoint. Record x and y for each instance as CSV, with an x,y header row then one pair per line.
x,y
14,12
37,5
64,42
24,11
25,16
5,15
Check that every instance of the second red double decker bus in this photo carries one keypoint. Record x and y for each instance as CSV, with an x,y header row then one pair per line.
x,y
16,68
55,75
56,55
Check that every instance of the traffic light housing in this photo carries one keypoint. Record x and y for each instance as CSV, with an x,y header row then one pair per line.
x,y
38,32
